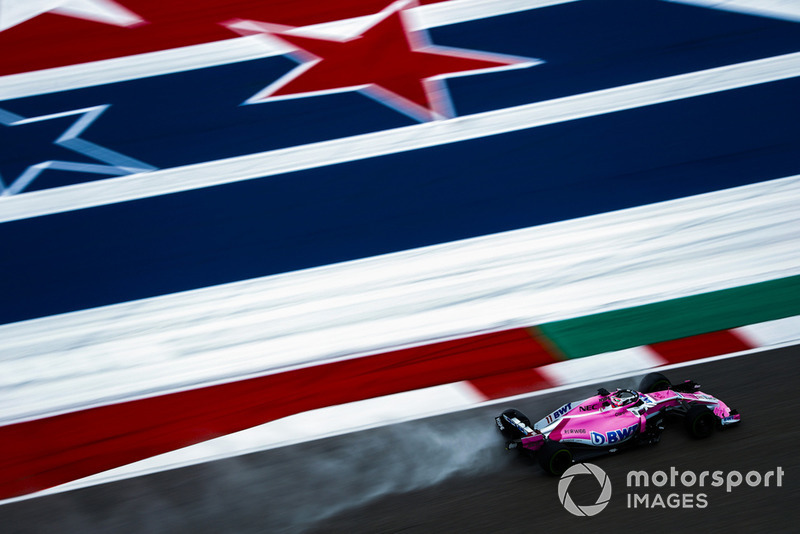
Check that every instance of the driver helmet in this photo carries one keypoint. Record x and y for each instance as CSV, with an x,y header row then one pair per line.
x,y
623,397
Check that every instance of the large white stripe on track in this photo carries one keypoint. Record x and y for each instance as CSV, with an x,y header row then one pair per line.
x,y
408,138
777,9
240,49
520,278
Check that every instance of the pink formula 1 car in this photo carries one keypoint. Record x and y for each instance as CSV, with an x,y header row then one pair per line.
x,y
613,421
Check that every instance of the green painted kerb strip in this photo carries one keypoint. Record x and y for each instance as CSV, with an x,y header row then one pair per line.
x,y
674,319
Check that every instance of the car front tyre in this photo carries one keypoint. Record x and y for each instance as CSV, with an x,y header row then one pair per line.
x,y
654,382
700,422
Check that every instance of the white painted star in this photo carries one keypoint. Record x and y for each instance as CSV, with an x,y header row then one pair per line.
x,y
13,12
116,164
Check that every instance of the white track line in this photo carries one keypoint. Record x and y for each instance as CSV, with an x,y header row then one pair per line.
x,y
768,333
515,279
385,142
632,360
777,9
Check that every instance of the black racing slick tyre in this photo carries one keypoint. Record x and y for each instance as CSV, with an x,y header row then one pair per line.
x,y
700,422
654,382
555,458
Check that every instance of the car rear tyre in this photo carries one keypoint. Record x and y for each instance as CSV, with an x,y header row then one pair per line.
x,y
555,458
700,422
654,382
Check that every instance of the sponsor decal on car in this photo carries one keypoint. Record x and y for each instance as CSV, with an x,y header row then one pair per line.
x,y
615,436
597,438
558,413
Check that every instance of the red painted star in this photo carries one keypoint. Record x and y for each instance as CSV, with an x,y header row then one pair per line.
x,y
387,61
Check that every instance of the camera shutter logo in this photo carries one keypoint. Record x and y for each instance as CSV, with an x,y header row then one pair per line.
x,y
566,480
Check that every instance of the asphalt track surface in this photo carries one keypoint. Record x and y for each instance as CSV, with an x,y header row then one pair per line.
x,y
451,474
